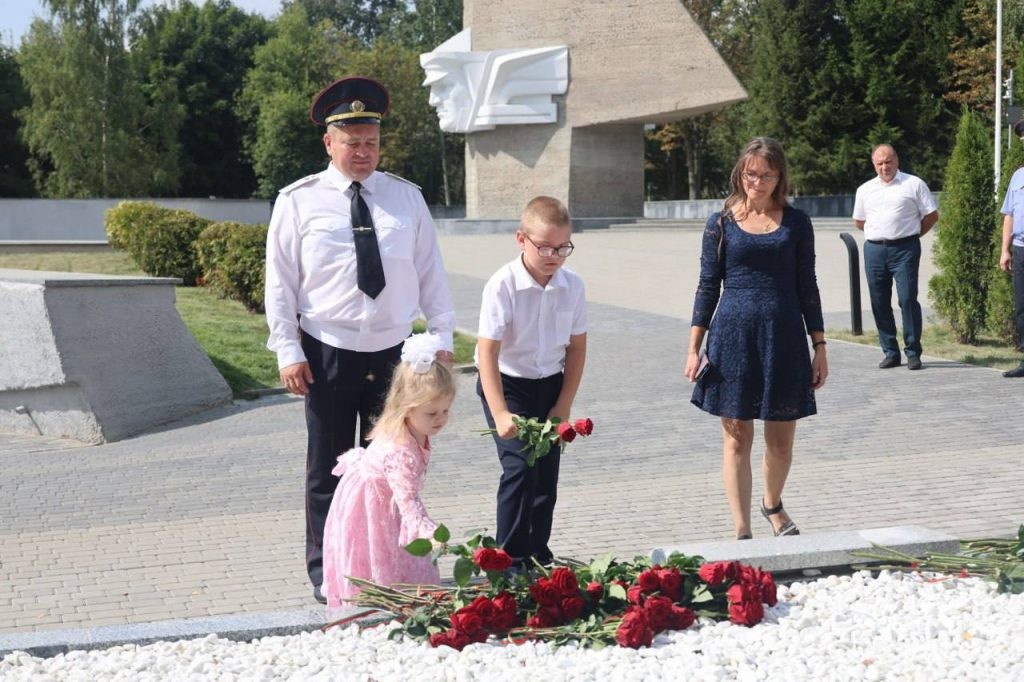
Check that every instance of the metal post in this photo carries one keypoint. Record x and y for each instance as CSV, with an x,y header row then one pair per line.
x,y
851,248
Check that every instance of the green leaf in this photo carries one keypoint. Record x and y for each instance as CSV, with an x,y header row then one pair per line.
x,y
463,571
601,564
617,591
442,534
419,547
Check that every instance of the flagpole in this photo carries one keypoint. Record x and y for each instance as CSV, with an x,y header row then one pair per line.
x,y
999,97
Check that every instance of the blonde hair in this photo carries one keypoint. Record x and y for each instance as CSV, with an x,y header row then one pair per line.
x,y
409,390
546,211
769,150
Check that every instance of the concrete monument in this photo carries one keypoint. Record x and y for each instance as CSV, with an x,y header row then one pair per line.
x,y
97,358
475,91
630,62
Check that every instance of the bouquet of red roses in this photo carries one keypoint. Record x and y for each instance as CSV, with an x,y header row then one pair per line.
x,y
600,603
541,436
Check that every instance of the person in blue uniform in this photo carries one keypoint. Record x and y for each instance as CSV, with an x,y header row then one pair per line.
x,y
757,301
352,261
1011,257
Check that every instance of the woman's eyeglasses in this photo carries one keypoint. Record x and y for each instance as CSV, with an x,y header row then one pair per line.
x,y
562,251
754,177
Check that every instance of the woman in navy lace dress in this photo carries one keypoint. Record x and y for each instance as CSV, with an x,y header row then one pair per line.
x,y
757,282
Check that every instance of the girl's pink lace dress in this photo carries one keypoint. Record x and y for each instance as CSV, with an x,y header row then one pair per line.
x,y
375,513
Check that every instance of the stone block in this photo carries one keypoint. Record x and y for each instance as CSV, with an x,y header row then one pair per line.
x,y
816,550
97,358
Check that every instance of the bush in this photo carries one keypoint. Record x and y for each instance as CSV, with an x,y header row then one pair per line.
x,y
159,240
963,242
124,220
211,247
233,256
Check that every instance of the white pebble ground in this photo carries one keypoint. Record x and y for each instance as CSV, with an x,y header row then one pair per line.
x,y
893,627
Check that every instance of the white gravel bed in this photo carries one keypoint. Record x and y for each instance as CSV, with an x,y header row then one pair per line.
x,y
893,627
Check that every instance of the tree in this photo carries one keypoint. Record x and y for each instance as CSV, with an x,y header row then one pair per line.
x,y
203,53
15,179
963,243
363,21
90,128
801,95
289,69
689,146
899,55
999,305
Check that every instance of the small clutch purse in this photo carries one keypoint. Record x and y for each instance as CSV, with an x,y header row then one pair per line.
x,y
703,366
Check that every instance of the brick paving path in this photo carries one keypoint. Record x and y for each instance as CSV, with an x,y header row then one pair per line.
x,y
204,517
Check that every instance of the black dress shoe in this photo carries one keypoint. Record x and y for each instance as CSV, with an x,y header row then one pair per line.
x,y
914,362
889,361
1015,373
319,595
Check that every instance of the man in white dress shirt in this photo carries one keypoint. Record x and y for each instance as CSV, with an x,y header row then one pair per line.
x,y
895,210
352,261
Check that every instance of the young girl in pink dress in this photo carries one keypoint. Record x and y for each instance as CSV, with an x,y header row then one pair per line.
x,y
376,510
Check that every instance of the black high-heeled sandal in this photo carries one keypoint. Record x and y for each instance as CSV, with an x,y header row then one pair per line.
x,y
788,528
745,536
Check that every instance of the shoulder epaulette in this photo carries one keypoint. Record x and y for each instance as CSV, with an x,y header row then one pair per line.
x,y
298,183
401,179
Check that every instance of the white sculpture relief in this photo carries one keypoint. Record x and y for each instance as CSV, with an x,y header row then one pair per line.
x,y
480,90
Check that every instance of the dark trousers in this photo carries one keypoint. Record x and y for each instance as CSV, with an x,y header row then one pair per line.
x,y
1018,293
526,495
885,263
347,386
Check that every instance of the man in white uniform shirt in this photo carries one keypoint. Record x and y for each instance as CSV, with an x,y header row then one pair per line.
x,y
895,210
352,260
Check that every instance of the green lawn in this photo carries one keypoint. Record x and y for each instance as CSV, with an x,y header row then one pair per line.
x,y
233,338
938,341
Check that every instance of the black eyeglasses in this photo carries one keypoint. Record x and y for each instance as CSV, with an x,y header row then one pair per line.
x,y
562,251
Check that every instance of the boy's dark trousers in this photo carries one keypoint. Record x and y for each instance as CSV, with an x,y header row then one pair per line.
x,y
526,495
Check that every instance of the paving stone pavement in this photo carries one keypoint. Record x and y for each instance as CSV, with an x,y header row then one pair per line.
x,y
204,516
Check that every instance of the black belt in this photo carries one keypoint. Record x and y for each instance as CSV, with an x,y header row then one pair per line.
x,y
894,242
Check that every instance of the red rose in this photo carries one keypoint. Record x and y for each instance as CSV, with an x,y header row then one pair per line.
x,y
768,593
635,629
584,427
671,583
648,581
743,592
746,613
572,607
546,617
713,573
748,574
595,590
452,638
566,581
680,618
635,595
490,559
566,432
505,609
545,593
467,621
483,607
658,610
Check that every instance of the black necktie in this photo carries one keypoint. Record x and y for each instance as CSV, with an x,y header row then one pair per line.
x,y
370,272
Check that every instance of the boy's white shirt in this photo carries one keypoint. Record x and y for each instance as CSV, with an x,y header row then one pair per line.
x,y
533,323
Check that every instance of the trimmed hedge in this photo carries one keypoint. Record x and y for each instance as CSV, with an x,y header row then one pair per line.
x,y
233,260
159,240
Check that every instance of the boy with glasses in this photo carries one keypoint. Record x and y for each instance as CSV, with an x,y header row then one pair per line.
x,y
531,348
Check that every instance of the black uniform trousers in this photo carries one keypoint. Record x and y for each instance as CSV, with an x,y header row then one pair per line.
x,y
347,386
526,495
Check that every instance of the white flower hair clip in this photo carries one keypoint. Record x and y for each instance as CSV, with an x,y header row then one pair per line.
x,y
419,350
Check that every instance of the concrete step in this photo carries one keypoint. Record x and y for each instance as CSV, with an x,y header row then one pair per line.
x,y
821,551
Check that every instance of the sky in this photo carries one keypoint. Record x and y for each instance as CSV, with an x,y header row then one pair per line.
x,y
17,15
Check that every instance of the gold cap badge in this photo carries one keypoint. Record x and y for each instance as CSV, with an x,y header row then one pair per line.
x,y
358,106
